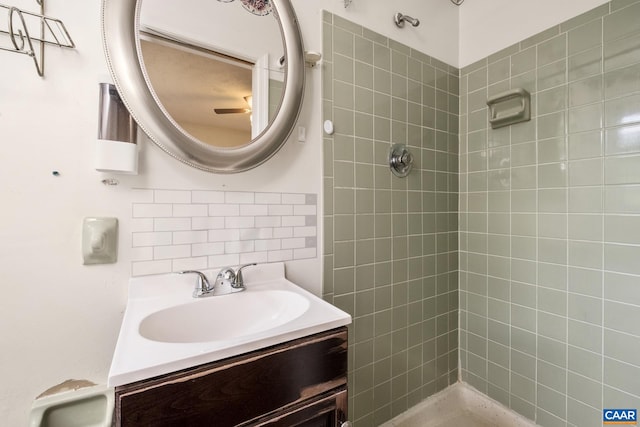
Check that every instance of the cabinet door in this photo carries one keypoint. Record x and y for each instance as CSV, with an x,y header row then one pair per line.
x,y
330,411
238,390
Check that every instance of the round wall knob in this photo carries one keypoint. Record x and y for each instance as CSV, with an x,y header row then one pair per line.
x,y
400,160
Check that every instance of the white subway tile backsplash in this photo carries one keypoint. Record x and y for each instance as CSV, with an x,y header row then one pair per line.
x,y
172,196
304,210
294,199
217,209
171,251
239,197
182,237
254,257
141,224
207,223
200,249
210,197
280,210
253,210
283,232
268,198
142,254
294,221
268,245
183,229
239,222
256,233
239,247
219,261
268,221
304,231
223,235
182,264
189,210
171,224
293,243
283,255
150,239
142,195
151,210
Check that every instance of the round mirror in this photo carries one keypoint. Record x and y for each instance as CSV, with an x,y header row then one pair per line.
x,y
217,85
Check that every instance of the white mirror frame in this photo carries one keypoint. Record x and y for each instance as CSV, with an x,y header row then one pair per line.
x,y
120,28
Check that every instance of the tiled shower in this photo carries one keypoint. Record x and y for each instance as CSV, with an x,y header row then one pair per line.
x,y
391,244
542,311
549,225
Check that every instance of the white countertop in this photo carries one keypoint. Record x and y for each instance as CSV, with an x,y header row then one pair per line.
x,y
137,358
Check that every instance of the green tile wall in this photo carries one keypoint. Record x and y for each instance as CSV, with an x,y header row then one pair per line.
x,y
391,244
550,220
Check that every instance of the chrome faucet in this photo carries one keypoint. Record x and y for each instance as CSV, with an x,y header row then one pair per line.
x,y
233,278
203,286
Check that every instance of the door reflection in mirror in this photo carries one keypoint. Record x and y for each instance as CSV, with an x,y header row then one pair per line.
x,y
192,84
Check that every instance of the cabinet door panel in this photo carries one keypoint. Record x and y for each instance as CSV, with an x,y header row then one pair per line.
x,y
237,390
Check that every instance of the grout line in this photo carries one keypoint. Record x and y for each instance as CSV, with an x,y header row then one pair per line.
x,y
567,201
603,156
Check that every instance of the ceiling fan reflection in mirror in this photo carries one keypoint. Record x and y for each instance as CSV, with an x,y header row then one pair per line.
x,y
248,99
257,7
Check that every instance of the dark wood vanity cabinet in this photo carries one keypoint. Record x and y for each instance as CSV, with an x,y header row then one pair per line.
x,y
298,383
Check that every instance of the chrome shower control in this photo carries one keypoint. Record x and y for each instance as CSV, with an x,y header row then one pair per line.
x,y
400,160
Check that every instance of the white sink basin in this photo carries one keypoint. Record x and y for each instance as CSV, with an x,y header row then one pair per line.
x,y
219,317
165,329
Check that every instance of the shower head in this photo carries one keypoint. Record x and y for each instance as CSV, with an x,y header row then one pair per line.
x,y
400,19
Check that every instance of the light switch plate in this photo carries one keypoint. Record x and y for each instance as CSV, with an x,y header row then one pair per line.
x,y
100,240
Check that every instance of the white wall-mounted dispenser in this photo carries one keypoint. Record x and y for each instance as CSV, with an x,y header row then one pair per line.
x,y
116,148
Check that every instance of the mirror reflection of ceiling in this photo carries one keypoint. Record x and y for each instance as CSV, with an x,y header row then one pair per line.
x,y
257,7
191,83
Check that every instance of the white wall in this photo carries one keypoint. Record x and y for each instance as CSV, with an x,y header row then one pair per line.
x,y
58,318
487,26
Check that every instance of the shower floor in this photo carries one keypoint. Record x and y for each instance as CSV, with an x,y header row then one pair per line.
x,y
459,405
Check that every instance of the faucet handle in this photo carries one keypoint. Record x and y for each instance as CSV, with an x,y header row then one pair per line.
x,y
203,287
239,281
225,276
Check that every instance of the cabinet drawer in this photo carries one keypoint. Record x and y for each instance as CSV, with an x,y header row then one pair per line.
x,y
238,390
330,411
